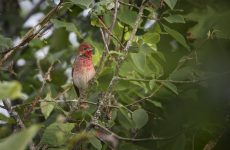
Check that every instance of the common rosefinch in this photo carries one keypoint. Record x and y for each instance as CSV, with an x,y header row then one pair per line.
x,y
83,69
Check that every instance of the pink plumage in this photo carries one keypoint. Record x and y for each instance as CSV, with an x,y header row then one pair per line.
x,y
83,69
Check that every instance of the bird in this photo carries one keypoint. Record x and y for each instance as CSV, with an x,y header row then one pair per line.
x,y
83,69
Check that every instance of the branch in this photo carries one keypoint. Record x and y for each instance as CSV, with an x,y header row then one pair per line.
x,y
31,34
113,20
46,77
15,115
104,41
147,97
135,27
104,101
153,138
109,32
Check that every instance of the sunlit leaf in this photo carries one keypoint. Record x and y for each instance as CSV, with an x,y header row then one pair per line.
x,y
47,106
152,84
11,90
151,38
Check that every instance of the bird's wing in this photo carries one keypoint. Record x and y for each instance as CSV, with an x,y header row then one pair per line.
x,y
75,87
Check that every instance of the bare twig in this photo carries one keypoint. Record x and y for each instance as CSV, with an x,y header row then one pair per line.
x,y
46,77
153,138
106,97
135,27
113,20
31,34
104,41
147,97
109,32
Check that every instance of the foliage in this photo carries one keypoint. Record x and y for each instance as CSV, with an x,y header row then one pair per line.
x,y
168,91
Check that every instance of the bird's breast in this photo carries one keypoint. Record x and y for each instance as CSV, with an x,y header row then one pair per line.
x,y
83,71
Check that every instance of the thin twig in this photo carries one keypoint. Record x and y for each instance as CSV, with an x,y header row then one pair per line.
x,y
153,138
31,34
46,77
135,27
127,4
104,101
113,21
109,32
104,41
147,97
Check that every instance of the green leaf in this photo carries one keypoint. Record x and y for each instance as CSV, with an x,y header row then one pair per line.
x,y
155,103
177,36
20,140
152,84
82,3
68,26
171,3
127,16
57,134
5,42
175,19
140,62
11,90
96,143
140,118
170,86
151,38
124,119
6,119
47,106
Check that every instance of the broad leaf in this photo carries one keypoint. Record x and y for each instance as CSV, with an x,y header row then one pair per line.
x,y
170,86
82,3
124,119
151,37
177,36
67,25
140,118
47,106
96,143
20,140
57,134
127,16
171,3
11,90
175,19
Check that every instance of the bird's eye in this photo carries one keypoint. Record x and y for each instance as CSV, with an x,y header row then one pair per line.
x,y
84,48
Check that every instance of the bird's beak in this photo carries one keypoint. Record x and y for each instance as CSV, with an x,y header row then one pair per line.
x,y
91,49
